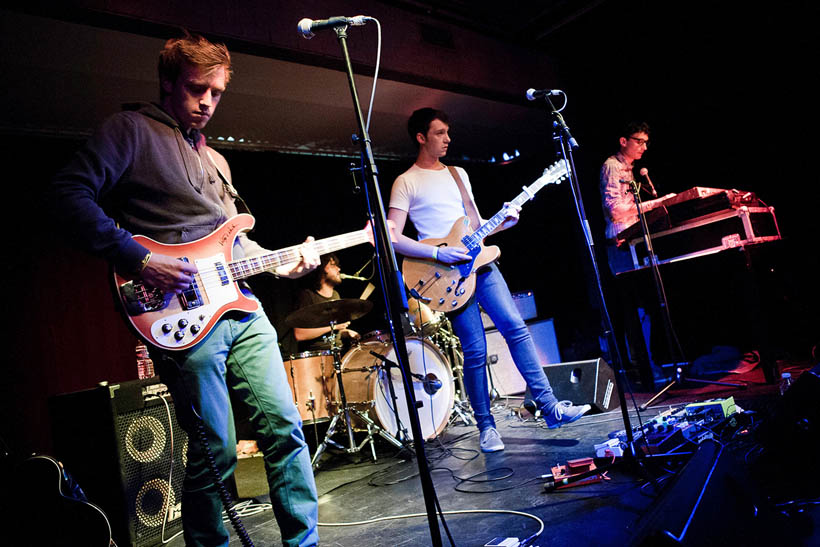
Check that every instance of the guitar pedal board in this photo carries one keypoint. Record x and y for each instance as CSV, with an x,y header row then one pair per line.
x,y
672,430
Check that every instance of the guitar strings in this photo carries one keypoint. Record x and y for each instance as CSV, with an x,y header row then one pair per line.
x,y
210,277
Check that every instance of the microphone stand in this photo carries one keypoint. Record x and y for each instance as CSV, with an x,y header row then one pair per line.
x,y
567,142
401,431
392,288
671,337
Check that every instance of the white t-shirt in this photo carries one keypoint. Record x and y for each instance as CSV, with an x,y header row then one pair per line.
x,y
431,198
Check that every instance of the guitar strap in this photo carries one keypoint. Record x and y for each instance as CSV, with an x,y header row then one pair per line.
x,y
469,205
226,184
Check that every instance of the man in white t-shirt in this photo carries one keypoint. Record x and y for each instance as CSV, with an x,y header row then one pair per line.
x,y
429,195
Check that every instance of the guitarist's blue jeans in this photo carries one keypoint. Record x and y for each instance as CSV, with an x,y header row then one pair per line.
x,y
241,354
494,296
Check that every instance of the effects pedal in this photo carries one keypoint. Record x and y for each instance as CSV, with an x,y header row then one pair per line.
x,y
501,541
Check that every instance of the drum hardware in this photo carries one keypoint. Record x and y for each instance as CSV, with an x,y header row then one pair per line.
x,y
308,376
344,413
432,383
425,322
449,343
311,405
401,431
461,407
333,313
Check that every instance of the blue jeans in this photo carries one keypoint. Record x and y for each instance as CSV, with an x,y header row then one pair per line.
x,y
494,296
241,354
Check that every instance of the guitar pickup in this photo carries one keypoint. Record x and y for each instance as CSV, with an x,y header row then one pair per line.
x,y
223,275
190,297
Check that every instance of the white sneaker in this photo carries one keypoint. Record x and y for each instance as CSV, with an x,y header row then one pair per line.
x,y
490,440
563,413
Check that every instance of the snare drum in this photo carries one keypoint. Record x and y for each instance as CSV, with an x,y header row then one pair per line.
x,y
380,336
365,383
310,375
425,320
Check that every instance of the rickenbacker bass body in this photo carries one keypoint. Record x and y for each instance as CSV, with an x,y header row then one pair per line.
x,y
447,287
178,322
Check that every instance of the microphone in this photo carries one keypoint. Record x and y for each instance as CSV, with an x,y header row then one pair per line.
x,y
307,26
430,383
645,174
354,277
533,94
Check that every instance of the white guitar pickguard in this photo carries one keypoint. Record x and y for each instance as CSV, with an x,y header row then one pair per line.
x,y
174,331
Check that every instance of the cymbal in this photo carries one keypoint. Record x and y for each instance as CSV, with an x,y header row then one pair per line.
x,y
323,313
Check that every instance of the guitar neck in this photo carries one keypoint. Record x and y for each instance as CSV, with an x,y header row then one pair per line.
x,y
246,267
496,220
550,176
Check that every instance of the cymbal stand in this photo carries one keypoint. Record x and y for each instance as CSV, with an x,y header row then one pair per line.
x,y
344,413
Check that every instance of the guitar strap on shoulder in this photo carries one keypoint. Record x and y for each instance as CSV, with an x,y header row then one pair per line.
x,y
469,205
226,184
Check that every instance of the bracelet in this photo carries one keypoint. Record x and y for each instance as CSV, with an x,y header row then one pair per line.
x,y
145,260
435,253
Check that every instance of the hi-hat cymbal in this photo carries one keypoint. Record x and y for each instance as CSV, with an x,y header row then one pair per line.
x,y
323,313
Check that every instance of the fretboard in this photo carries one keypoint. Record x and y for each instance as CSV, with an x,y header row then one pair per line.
x,y
552,175
246,267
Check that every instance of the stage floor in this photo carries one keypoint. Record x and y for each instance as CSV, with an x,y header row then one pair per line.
x,y
502,494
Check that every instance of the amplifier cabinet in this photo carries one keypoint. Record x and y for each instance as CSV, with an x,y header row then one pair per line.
x,y
505,376
125,449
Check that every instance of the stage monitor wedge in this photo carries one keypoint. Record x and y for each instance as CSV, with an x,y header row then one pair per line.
x,y
589,382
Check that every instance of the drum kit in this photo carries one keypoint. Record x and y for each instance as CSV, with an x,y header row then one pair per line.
x,y
344,389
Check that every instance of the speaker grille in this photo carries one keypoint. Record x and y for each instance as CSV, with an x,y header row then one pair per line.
x,y
153,456
128,453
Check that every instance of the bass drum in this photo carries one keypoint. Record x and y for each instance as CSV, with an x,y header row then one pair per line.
x,y
366,383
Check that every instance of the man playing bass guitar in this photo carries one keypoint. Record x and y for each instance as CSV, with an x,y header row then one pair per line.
x,y
434,199
149,167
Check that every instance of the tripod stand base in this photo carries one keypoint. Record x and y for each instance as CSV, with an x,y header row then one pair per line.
x,y
352,447
461,411
679,380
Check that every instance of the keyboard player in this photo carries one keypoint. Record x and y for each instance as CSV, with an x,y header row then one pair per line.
x,y
620,212
618,202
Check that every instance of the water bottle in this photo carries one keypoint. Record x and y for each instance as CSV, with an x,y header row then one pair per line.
x,y
785,382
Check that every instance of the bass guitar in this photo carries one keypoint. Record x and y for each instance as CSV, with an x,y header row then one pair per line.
x,y
447,287
180,321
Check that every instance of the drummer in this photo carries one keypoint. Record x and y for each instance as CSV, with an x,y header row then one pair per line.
x,y
321,288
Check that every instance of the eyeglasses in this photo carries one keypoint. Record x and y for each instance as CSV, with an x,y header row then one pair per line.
x,y
644,142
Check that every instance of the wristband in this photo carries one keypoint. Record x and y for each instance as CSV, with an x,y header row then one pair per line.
x,y
145,260
435,253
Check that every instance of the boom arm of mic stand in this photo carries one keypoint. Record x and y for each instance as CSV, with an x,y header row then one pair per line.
x,y
395,301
